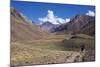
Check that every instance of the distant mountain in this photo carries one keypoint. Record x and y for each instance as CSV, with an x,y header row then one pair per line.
x,y
47,26
79,24
23,28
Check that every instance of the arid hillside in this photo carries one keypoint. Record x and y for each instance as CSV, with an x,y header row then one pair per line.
x,y
23,29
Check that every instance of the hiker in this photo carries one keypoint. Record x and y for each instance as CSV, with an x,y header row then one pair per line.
x,y
82,48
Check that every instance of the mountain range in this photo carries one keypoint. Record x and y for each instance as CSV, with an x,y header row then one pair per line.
x,y
24,29
79,24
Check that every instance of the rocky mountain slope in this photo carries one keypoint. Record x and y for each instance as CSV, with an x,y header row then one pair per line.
x,y
23,29
79,24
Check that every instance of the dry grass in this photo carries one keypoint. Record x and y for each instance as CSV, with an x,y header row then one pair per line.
x,y
50,51
22,54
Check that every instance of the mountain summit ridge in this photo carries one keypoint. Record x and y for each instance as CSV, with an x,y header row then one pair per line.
x,y
76,25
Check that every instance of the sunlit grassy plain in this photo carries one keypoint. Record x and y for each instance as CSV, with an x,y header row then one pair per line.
x,y
51,50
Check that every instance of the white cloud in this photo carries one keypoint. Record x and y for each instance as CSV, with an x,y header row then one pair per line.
x,y
53,19
60,20
90,13
67,19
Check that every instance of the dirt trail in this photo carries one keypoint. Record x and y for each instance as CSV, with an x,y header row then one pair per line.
x,y
72,57
76,57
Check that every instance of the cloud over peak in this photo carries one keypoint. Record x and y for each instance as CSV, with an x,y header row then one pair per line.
x,y
90,13
50,17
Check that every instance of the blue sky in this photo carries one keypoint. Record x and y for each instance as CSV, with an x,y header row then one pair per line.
x,y
36,10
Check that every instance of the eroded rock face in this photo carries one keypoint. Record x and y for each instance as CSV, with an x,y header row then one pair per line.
x,y
79,24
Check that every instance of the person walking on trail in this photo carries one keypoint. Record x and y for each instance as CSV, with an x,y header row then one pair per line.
x,y
82,48
82,52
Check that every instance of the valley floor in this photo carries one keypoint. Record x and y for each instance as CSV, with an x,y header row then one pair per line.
x,y
49,51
